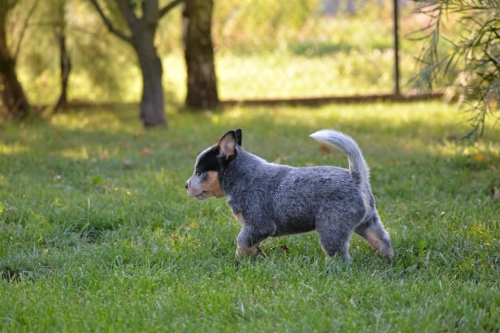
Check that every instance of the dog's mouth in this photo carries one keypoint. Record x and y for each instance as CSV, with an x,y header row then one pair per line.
x,y
202,196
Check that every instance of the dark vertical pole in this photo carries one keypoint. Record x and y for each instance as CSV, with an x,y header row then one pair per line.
x,y
396,48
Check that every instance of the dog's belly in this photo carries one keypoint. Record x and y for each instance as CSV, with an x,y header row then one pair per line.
x,y
294,226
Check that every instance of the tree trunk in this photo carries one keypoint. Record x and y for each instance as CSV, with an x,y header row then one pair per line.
x,y
65,68
143,29
12,92
331,7
351,7
13,95
152,108
199,55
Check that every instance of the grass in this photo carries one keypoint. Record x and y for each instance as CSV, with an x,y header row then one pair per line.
x,y
288,75
98,234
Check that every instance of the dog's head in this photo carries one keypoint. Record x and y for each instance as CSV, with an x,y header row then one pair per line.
x,y
205,181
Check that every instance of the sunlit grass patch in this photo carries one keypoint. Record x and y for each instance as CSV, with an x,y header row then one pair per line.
x,y
12,149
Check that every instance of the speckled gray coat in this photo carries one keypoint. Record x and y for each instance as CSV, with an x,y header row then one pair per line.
x,y
276,200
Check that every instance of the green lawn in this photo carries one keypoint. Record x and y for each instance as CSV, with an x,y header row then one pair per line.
x,y
97,233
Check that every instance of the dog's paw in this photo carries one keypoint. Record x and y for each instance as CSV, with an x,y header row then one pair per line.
x,y
389,254
259,252
253,252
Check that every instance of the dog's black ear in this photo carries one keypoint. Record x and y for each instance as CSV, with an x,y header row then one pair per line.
x,y
239,136
227,144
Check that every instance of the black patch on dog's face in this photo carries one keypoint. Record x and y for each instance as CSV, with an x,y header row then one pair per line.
x,y
208,161
205,182
210,165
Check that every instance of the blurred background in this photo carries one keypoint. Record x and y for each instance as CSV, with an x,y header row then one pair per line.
x,y
263,49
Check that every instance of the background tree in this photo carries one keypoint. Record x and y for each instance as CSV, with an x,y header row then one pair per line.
x,y
199,55
64,58
12,93
141,18
471,58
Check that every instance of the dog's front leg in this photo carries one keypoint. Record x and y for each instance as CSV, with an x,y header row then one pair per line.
x,y
248,244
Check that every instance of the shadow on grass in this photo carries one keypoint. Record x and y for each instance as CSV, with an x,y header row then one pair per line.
x,y
88,147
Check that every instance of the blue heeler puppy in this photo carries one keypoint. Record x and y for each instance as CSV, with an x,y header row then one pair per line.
x,y
277,200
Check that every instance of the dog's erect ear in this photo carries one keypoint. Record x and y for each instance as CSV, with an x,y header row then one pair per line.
x,y
239,136
227,144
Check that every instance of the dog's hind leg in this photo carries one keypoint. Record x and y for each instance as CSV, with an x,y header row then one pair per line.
x,y
373,232
334,238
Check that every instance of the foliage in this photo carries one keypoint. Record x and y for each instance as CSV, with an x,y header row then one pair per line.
x,y
97,232
105,69
472,58
246,24
12,95
97,72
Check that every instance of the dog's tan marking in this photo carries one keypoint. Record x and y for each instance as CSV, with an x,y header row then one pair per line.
x,y
325,252
240,218
212,184
373,239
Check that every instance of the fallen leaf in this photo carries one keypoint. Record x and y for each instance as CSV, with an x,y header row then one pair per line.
x,y
479,157
324,149
146,151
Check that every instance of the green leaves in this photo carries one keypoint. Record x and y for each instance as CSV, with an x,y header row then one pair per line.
x,y
470,58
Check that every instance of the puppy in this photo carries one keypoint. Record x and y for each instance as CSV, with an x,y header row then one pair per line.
x,y
271,200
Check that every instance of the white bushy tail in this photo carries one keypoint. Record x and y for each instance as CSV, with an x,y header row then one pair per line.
x,y
357,165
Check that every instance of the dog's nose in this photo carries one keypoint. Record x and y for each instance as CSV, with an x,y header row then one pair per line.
x,y
187,185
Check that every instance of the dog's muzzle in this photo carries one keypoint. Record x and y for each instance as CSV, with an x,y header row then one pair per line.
x,y
197,193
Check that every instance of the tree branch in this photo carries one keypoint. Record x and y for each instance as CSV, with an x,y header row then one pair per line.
x,y
127,12
169,7
23,29
150,12
108,23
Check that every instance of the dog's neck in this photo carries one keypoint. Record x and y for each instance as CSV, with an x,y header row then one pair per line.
x,y
240,172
